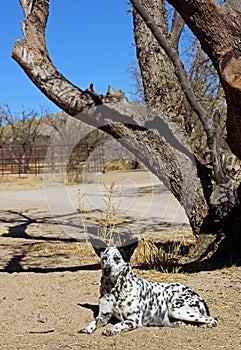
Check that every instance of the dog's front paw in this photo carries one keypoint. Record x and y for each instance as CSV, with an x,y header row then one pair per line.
x,y
109,332
84,331
89,329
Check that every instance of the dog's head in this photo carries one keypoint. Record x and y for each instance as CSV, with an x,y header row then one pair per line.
x,y
113,259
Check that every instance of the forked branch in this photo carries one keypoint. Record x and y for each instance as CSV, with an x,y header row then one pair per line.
x,y
173,55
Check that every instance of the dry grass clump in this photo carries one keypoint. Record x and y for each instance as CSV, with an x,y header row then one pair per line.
x,y
66,249
146,254
123,164
158,276
14,182
149,256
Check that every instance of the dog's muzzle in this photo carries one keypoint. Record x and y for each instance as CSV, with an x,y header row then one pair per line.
x,y
107,271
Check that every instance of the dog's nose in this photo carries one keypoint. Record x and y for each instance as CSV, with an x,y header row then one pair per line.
x,y
107,270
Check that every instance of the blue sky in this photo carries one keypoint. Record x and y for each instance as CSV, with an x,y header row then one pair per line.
x,y
88,41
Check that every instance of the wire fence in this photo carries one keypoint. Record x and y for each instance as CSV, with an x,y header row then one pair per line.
x,y
37,160
65,159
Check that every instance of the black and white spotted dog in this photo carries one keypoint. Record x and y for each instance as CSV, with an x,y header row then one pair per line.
x,y
137,302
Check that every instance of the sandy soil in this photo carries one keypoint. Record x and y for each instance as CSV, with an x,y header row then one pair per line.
x,y
49,288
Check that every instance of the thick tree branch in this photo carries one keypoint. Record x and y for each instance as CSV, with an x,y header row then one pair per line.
x,y
172,54
218,28
181,74
176,29
31,54
156,69
235,4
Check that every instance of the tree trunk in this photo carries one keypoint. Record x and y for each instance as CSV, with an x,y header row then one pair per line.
x,y
218,28
222,198
161,89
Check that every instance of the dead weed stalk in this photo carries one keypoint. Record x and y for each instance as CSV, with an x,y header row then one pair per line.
x,y
108,216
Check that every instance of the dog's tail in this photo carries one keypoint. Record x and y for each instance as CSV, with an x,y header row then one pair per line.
x,y
206,308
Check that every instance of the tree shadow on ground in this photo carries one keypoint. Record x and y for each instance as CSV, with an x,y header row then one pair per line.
x,y
19,230
14,265
220,253
217,261
18,233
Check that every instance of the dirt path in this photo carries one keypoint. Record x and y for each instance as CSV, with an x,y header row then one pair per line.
x,y
138,199
49,282
45,311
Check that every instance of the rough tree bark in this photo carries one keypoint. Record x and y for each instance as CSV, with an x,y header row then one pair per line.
x,y
218,28
161,89
169,54
154,139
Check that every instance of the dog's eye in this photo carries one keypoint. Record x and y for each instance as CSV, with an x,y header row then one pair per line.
x,y
117,259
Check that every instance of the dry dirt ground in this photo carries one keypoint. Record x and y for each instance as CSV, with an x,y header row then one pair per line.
x,y
49,289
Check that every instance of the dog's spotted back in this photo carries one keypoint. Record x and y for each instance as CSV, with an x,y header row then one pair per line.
x,y
137,302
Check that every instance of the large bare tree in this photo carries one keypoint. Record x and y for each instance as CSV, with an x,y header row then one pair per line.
x,y
210,199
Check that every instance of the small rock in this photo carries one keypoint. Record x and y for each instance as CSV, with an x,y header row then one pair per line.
x,y
41,318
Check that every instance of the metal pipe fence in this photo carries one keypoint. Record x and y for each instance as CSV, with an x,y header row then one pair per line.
x,y
67,159
36,160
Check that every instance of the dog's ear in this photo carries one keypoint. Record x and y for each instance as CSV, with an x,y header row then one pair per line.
x,y
127,250
98,245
